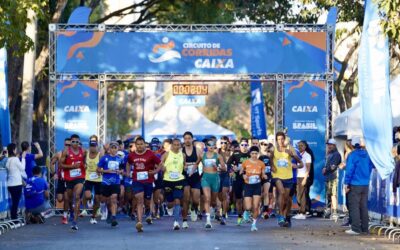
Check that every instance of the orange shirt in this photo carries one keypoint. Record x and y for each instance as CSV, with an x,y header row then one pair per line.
x,y
253,171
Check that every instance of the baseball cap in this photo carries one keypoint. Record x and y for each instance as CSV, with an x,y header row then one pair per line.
x,y
331,141
114,143
355,141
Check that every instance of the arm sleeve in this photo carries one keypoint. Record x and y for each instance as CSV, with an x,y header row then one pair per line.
x,y
349,170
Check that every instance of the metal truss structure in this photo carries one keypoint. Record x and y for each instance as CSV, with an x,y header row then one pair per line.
x,y
103,78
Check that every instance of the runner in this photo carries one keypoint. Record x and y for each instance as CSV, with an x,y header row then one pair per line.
x,y
158,196
109,166
123,154
61,189
282,175
130,201
192,183
254,171
212,163
254,142
93,179
173,166
73,163
225,181
235,164
265,156
145,165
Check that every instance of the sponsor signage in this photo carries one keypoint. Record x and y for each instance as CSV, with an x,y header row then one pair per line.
x,y
196,101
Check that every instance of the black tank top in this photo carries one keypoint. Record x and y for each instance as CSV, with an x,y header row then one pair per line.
x,y
193,157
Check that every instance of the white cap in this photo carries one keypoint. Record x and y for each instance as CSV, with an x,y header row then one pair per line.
x,y
331,141
356,140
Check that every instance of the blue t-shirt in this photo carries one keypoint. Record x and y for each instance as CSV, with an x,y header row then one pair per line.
x,y
34,192
29,164
108,162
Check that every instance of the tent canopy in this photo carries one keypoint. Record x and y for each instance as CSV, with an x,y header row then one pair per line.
x,y
172,120
348,123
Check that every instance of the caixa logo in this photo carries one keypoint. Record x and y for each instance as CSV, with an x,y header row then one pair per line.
x,y
305,109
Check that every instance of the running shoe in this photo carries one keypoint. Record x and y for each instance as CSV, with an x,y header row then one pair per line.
x,y
239,221
149,220
64,220
351,232
74,226
139,227
281,220
265,215
170,211
223,222
104,216
246,216
114,223
193,215
254,227
217,217
287,223
83,213
93,221
208,225
185,225
212,213
299,217
176,225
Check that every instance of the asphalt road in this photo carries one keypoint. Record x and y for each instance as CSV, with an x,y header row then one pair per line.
x,y
312,233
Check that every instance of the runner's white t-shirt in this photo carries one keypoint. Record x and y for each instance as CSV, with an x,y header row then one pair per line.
x,y
305,158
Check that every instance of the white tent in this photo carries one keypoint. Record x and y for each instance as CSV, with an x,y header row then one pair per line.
x,y
173,120
348,123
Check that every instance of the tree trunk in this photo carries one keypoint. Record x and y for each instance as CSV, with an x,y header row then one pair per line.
x,y
28,82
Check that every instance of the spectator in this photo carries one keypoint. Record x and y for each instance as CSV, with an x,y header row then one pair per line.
x,y
310,179
348,149
16,171
358,170
396,177
333,160
36,197
29,157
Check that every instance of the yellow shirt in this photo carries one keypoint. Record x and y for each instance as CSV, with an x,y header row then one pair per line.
x,y
174,167
91,167
283,164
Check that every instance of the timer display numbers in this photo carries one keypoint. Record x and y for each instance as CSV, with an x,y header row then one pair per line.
x,y
190,89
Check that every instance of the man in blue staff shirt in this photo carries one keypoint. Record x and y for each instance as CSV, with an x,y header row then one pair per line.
x,y
109,166
358,170
36,197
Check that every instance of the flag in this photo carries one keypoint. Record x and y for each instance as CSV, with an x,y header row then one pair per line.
x,y
258,125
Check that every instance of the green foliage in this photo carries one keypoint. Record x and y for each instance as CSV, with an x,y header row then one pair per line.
x,y
13,20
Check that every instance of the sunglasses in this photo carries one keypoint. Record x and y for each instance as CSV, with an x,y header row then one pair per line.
x,y
74,142
224,142
244,145
263,144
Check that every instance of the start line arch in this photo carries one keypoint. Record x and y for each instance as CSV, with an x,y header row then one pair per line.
x,y
299,58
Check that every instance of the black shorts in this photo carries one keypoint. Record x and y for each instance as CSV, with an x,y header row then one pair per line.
x,y
238,186
108,190
252,189
173,190
93,185
72,184
193,181
61,187
158,184
288,183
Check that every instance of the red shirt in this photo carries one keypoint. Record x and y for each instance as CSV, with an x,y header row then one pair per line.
x,y
72,158
142,164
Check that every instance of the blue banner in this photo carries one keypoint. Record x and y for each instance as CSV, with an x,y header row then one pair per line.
x,y
5,128
189,52
258,124
76,111
373,75
305,119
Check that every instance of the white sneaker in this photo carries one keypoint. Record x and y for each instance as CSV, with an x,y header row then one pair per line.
x,y
93,221
176,225
83,213
208,225
351,232
185,225
193,215
104,215
170,211
299,217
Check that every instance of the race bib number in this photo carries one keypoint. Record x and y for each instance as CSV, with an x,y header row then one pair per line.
x,y
141,176
267,169
93,176
283,163
209,163
174,175
254,179
75,172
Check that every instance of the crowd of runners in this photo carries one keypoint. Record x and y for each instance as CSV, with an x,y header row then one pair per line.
x,y
249,178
